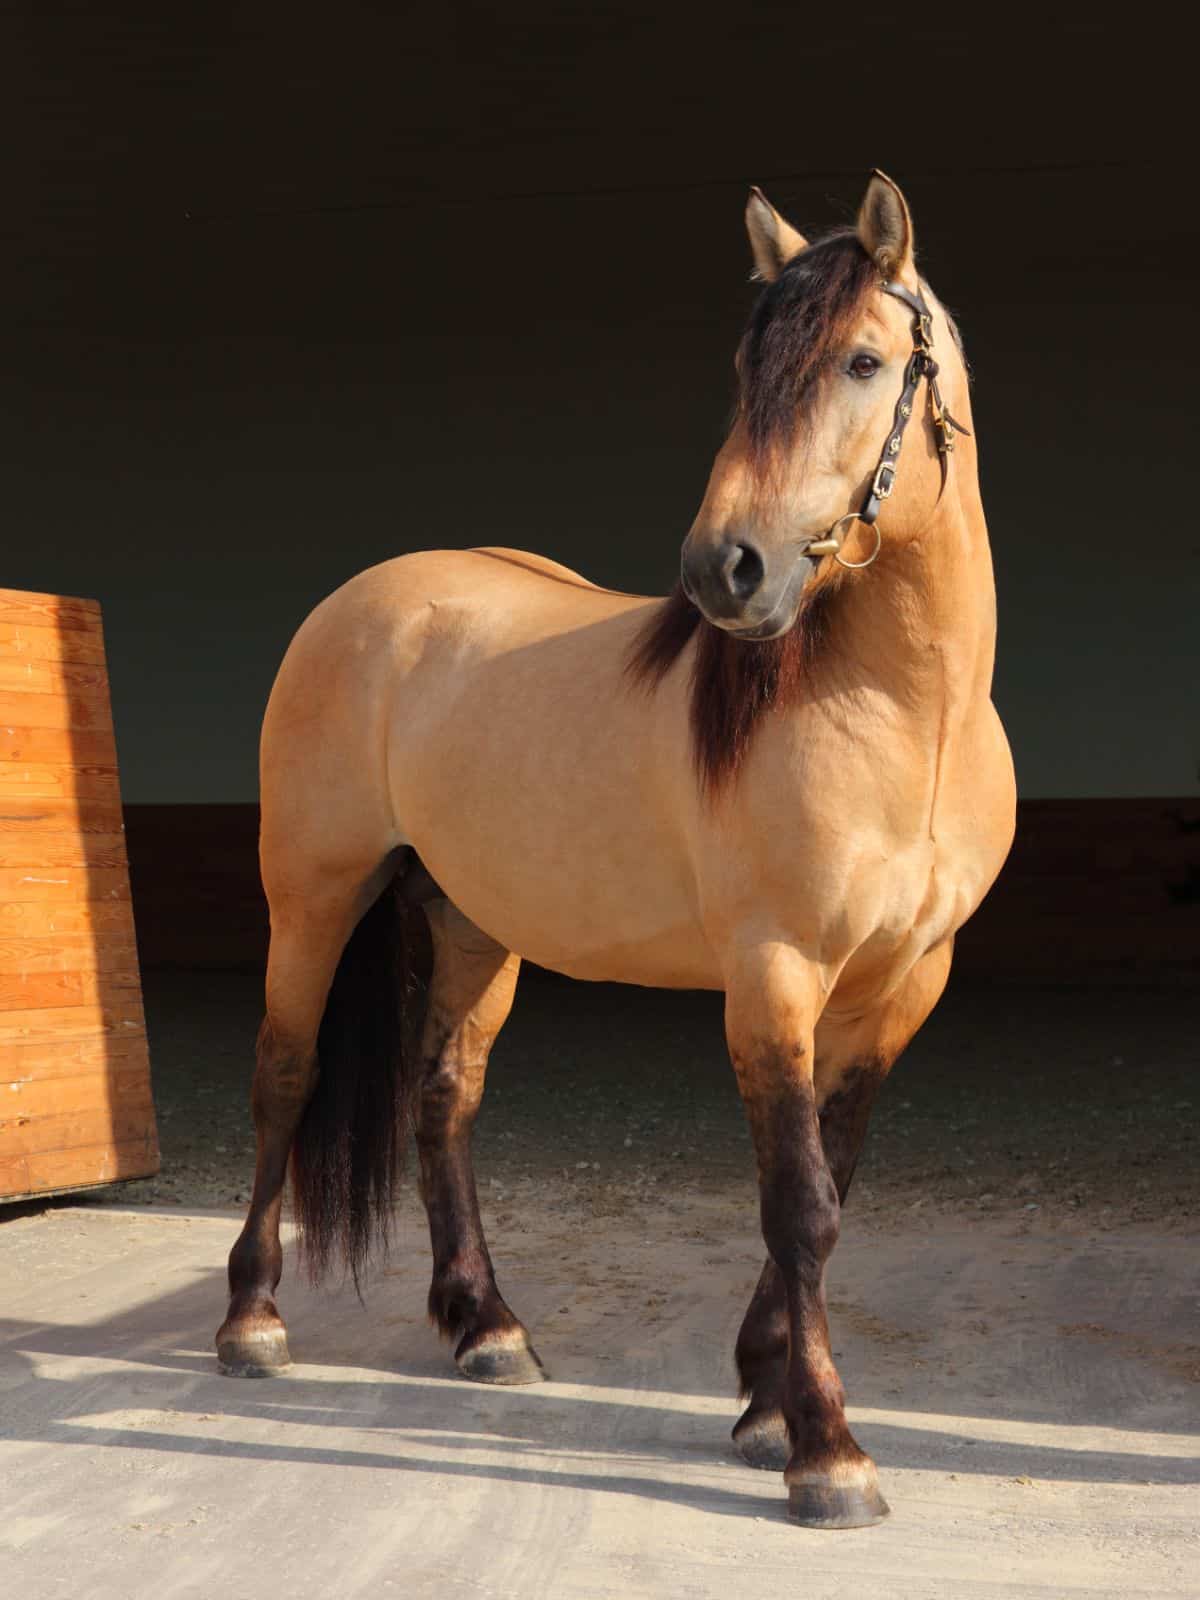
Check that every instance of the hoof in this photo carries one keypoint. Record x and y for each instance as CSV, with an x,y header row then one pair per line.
x,y
762,1440
815,1505
512,1362
259,1353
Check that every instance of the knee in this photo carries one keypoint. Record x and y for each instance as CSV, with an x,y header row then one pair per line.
x,y
801,1218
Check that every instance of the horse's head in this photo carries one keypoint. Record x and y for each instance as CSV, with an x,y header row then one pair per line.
x,y
830,373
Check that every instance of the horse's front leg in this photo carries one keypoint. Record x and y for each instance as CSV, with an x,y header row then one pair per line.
x,y
853,1056
771,1008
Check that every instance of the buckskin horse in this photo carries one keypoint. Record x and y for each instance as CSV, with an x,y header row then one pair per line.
x,y
786,781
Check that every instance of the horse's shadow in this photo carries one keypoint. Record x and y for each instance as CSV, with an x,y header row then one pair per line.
x,y
628,1418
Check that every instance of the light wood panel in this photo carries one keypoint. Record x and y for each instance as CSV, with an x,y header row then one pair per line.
x,y
29,642
25,709
70,747
75,1096
61,816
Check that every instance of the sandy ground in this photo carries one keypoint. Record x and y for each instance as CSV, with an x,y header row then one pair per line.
x,y
1013,1306
1029,1393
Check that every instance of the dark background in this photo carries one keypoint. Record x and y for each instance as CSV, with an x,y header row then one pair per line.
x,y
290,292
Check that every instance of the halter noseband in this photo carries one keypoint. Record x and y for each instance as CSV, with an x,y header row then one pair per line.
x,y
920,365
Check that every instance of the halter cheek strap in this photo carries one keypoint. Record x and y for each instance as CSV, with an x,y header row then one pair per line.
x,y
920,365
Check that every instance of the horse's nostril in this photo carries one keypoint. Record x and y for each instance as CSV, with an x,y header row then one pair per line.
x,y
743,571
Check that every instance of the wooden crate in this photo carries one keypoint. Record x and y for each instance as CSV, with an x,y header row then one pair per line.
x,y
75,1102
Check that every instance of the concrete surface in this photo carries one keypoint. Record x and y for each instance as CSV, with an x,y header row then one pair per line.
x,y
1030,1394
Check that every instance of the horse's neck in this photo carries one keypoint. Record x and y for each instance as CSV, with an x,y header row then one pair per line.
x,y
921,626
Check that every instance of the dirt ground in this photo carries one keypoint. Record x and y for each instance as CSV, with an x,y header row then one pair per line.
x,y
1013,1306
1055,1104
1029,1394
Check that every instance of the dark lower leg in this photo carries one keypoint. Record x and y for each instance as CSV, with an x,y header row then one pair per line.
x,y
252,1341
464,1300
762,1346
470,998
831,1482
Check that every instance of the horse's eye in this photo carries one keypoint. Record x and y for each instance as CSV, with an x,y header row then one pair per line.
x,y
864,366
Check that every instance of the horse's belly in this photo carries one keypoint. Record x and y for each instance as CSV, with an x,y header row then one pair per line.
x,y
561,891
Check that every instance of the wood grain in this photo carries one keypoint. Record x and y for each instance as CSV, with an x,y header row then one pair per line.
x,y
59,1171
62,850
27,675
75,1098
23,884
88,1055
31,991
69,747
51,1024
28,1099
69,952
81,1127
49,611
60,816
33,918
54,711
19,642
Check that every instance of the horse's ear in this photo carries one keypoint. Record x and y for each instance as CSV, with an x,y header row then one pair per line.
x,y
885,228
773,241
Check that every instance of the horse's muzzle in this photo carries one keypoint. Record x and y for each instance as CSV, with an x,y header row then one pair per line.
x,y
732,583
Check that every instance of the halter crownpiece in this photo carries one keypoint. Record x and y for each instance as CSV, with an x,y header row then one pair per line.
x,y
920,365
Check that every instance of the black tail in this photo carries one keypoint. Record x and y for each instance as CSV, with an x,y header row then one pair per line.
x,y
349,1150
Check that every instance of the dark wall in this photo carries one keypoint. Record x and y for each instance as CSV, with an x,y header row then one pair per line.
x,y
285,300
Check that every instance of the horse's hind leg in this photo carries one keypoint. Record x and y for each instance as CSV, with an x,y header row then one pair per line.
x,y
308,934
852,1061
470,995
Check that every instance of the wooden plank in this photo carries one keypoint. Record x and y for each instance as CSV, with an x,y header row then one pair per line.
x,y
25,675
21,884
52,747
69,952
56,1057
26,1175
32,991
58,783
49,611
121,1017
35,918
29,642
75,1099
60,816
27,1099
52,711
68,1130
52,850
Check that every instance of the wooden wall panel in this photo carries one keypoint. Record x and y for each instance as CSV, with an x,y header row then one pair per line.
x,y
75,1096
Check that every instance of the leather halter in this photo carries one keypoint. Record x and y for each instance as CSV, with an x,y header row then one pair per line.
x,y
920,365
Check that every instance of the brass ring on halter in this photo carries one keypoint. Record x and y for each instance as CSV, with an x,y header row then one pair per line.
x,y
856,566
832,546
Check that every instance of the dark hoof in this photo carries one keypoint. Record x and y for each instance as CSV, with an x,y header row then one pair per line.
x,y
259,1353
508,1363
815,1505
762,1440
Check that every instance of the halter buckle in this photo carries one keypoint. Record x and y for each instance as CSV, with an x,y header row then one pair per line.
x,y
884,480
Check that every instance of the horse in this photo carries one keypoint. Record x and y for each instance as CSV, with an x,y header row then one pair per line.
x,y
786,782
